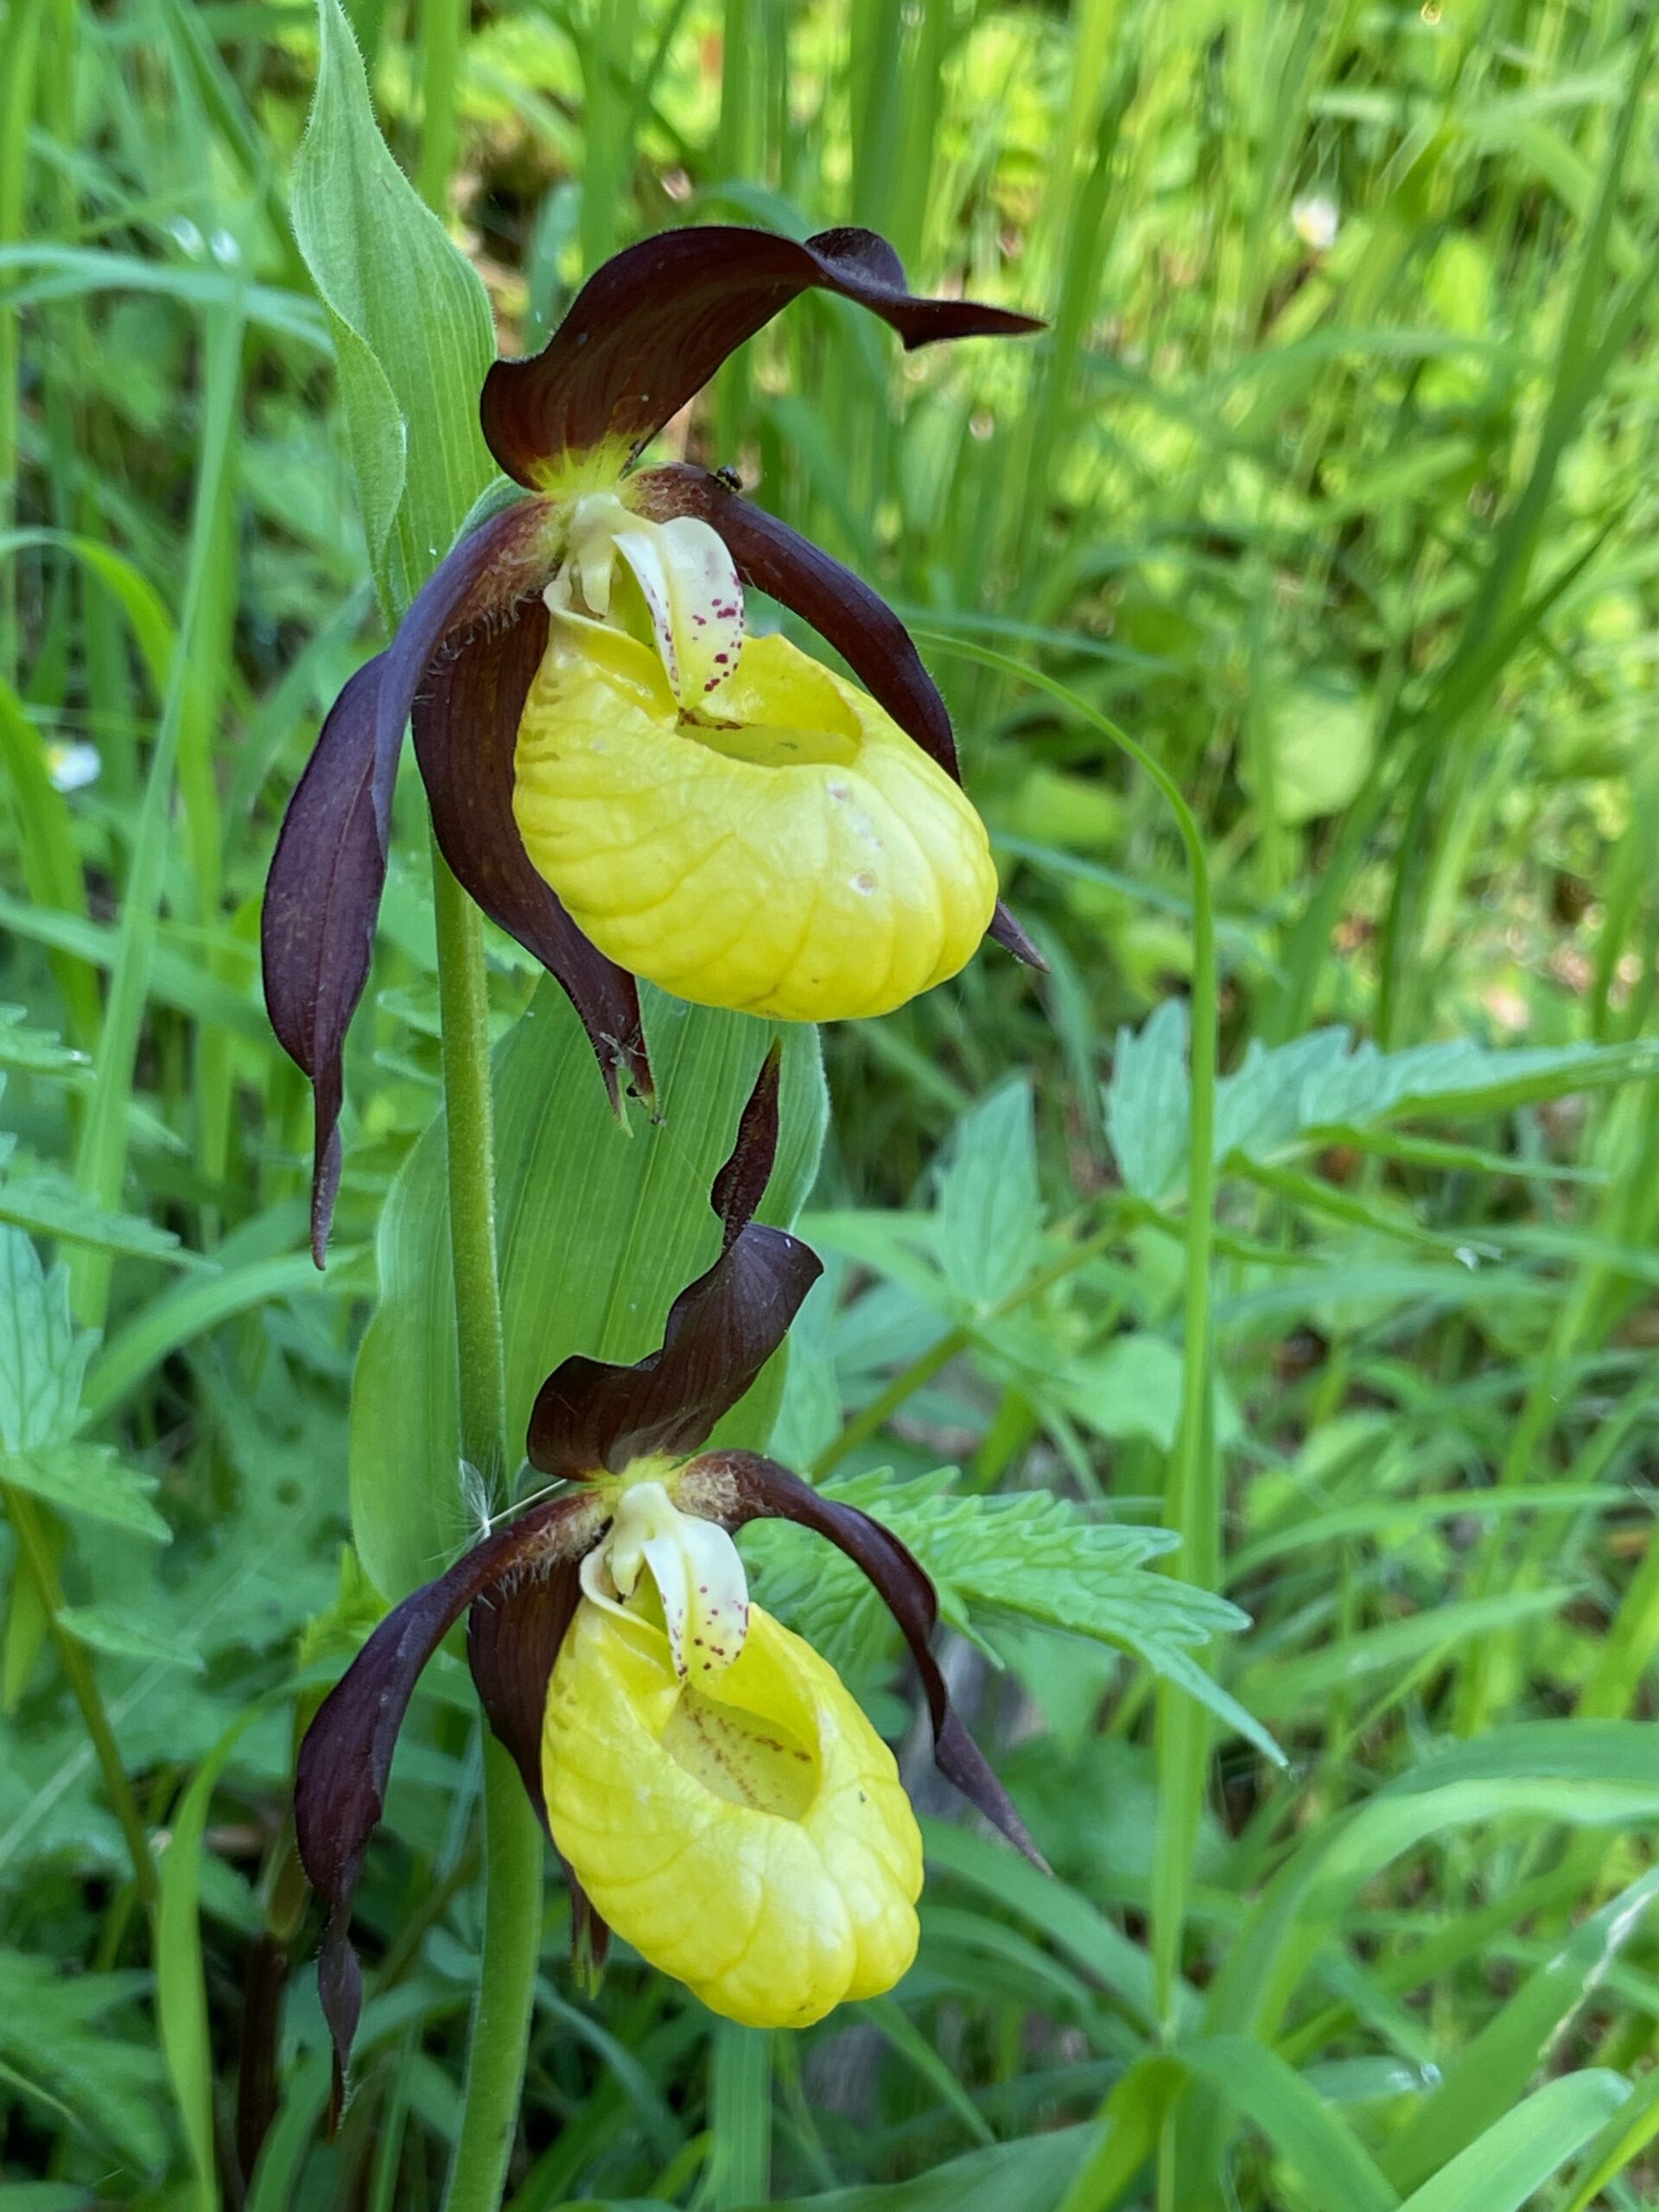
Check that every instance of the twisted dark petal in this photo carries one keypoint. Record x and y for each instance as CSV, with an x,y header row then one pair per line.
x,y
323,895
651,327
316,931
590,1415
756,1488
741,1183
513,1635
341,1786
466,725
720,1334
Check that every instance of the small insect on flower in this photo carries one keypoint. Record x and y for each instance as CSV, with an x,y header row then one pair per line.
x,y
715,1794
622,776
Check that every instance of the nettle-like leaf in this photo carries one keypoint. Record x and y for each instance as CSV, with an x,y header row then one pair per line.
x,y
45,1202
89,1480
42,1355
1026,1556
42,1363
987,1226
37,1051
1285,1099
48,1203
59,2049
984,1234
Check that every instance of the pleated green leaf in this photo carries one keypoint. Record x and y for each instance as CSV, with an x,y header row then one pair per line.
x,y
411,324
599,1227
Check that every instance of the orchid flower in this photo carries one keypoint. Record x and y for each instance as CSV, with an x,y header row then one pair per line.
x,y
717,1796
620,776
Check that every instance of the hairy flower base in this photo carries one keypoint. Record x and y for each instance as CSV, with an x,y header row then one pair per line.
x,y
752,1840
789,851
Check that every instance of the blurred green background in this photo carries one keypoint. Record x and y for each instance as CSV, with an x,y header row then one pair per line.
x,y
1332,484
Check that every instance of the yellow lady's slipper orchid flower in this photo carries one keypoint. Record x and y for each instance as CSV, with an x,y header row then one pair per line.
x,y
793,845
717,1796
735,1818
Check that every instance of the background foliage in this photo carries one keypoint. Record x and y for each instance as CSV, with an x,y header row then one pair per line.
x,y
1332,485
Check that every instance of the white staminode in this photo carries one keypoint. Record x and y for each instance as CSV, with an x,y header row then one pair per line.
x,y
695,1567
686,579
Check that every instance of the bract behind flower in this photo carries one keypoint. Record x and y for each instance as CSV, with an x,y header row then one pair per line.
x,y
751,1838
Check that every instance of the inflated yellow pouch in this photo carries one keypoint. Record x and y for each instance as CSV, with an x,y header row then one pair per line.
x,y
751,1837
785,848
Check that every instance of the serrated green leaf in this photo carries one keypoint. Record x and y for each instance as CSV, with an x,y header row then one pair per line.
x,y
46,1204
125,1635
87,1479
42,1356
55,2032
1030,1555
1285,1098
36,1052
1149,1101
599,1227
988,1220
413,334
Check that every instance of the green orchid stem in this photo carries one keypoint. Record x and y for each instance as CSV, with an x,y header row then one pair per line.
x,y
469,1121
507,1988
1192,1494
25,1516
512,1837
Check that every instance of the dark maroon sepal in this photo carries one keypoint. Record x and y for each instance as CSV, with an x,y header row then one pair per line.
x,y
340,1784
591,1415
513,1634
316,930
737,1191
649,328
1006,930
323,894
749,1487
466,724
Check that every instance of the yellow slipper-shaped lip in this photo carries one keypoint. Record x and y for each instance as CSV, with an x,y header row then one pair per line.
x,y
789,851
753,1839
